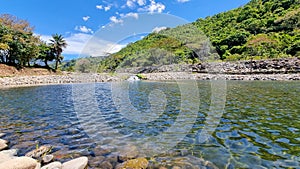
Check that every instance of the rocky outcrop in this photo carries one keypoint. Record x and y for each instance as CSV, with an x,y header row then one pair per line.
x,y
274,66
286,65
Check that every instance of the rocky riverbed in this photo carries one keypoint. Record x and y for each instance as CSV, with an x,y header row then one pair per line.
x,y
42,158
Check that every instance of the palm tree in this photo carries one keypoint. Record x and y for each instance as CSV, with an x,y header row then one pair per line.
x,y
58,43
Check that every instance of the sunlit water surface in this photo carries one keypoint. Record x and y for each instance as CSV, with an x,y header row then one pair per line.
x,y
260,126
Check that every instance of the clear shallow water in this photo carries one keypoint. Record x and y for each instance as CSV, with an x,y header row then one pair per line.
x,y
260,126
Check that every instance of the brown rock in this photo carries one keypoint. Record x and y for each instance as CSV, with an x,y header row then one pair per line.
x,y
20,163
139,163
38,153
54,165
78,163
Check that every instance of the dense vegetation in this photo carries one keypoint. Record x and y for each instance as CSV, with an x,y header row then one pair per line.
x,y
261,29
20,47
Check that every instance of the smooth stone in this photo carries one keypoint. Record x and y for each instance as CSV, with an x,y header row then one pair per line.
x,y
53,165
20,163
78,163
47,158
6,155
38,153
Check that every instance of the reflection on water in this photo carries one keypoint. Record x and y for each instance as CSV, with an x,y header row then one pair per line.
x,y
260,126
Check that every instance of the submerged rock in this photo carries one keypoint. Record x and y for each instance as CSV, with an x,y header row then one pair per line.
x,y
38,153
139,163
129,152
78,163
20,163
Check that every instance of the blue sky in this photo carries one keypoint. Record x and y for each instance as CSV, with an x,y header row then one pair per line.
x,y
108,24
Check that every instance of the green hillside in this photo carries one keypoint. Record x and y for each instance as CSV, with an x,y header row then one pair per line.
x,y
261,29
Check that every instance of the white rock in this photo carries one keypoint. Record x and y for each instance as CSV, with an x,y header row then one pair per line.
x,y
78,163
3,144
48,158
6,155
133,78
20,163
54,165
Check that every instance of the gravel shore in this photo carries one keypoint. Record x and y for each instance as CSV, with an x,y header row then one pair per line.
x,y
19,81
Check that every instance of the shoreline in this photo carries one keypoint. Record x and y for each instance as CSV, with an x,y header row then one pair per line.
x,y
43,80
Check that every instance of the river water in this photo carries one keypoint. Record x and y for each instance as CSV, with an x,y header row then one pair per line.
x,y
256,125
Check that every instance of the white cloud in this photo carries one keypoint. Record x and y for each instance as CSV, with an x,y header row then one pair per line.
x,y
107,8
154,7
130,3
45,38
84,29
133,3
86,18
99,7
183,1
131,14
158,29
87,45
141,2
115,19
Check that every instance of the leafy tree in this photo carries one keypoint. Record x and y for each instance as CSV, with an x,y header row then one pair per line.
x,y
46,53
58,43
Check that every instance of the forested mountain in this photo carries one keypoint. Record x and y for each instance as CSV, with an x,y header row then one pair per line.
x,y
261,29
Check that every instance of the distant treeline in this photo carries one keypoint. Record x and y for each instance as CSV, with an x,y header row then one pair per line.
x,y
20,47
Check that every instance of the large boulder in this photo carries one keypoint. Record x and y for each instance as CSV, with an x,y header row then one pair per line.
x,y
6,155
20,163
78,163
54,165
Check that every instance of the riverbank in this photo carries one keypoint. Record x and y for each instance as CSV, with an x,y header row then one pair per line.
x,y
23,81
285,69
